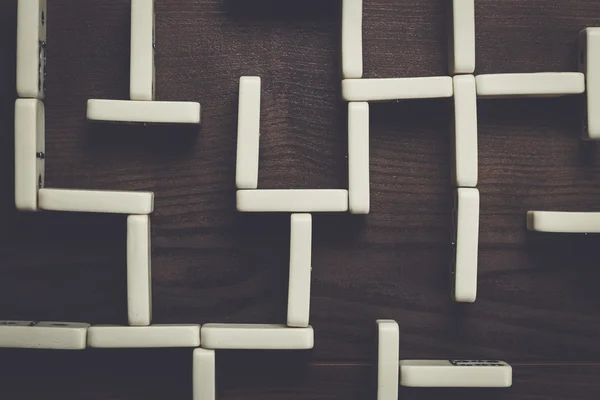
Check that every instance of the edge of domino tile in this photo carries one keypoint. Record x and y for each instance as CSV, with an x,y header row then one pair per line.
x,y
151,112
292,200
204,371
96,201
299,288
390,89
352,42
248,132
139,270
388,355
563,222
446,374
152,336
466,240
256,337
589,64
465,146
535,84
43,335
359,184
141,59
461,58
31,29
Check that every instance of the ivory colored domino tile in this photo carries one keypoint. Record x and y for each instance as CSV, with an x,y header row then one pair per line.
x,y
539,84
563,222
388,356
256,337
462,37
455,373
139,270
352,46
155,112
109,336
292,200
388,89
29,152
43,335
465,169
298,312
32,17
96,201
141,78
203,368
358,158
589,64
467,245
246,175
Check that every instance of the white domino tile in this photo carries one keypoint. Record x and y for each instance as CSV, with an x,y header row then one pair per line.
x,y
563,222
300,270
256,337
466,244
589,63
465,169
139,283
29,152
96,201
43,335
462,37
388,89
352,46
387,359
358,158
109,336
141,79
539,84
154,112
31,48
292,200
203,370
246,175
455,373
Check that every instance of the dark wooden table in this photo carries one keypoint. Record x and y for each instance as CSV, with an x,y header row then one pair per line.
x,y
538,299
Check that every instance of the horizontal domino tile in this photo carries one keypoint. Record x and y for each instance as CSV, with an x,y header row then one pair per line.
x,y
387,359
388,89
256,337
31,51
292,200
203,370
43,335
358,158
467,245
141,78
563,222
465,169
444,373
139,283
30,135
109,336
462,39
589,63
157,112
298,311
352,42
96,201
539,84
248,139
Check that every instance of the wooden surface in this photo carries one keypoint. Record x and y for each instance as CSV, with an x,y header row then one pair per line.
x,y
538,298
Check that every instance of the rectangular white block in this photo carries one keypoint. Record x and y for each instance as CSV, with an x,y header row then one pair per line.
x,y
30,134
462,37
96,201
455,373
43,335
387,359
109,336
292,200
589,64
141,77
388,89
466,245
563,222
298,312
203,370
246,174
465,169
256,337
31,48
139,270
152,112
539,84
359,186
352,51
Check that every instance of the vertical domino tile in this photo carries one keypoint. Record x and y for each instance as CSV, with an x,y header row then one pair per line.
x,y
467,244
203,367
465,169
358,158
31,48
589,64
141,76
462,37
300,270
352,46
246,175
387,359
139,283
